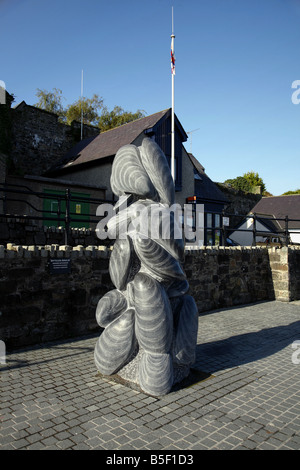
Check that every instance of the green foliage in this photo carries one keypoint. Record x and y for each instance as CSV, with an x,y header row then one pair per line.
x,y
247,182
91,110
89,107
51,101
240,183
117,117
255,180
287,193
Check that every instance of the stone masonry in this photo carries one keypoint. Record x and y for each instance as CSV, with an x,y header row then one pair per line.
x,y
37,305
40,140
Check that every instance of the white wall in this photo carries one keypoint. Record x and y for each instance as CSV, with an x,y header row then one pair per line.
x,y
295,236
246,238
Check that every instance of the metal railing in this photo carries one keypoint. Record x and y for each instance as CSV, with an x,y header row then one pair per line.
x,y
282,232
219,227
30,205
15,194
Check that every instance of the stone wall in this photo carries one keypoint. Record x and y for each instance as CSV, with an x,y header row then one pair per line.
x,y
281,273
285,266
225,276
38,305
238,202
39,140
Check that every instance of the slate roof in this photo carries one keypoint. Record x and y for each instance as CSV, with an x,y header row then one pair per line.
x,y
107,143
196,163
205,188
270,222
279,207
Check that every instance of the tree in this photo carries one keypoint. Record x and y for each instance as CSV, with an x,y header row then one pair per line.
x,y
240,183
90,108
255,180
51,101
287,193
247,182
117,117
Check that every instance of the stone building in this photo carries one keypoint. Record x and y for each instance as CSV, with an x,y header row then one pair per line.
x,y
31,141
39,140
42,147
91,161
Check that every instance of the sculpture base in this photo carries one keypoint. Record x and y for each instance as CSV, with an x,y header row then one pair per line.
x,y
130,371
184,377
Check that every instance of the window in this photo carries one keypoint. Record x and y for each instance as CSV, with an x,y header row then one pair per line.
x,y
217,237
209,237
212,234
209,218
54,207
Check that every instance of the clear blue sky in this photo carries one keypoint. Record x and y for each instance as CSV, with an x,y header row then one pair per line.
x,y
236,61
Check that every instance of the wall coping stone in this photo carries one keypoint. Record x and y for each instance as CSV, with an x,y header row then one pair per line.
x,y
54,251
66,251
224,249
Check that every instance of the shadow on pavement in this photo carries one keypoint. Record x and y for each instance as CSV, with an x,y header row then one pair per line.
x,y
245,348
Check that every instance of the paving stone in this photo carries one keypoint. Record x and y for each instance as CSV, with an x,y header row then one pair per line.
x,y
250,400
65,444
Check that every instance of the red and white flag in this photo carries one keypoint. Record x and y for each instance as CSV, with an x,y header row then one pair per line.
x,y
172,57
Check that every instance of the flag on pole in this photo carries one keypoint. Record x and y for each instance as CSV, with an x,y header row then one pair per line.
x,y
172,56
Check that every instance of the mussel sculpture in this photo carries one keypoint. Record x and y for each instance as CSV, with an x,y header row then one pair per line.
x,y
149,320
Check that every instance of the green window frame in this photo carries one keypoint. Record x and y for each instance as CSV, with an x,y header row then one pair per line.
x,y
79,209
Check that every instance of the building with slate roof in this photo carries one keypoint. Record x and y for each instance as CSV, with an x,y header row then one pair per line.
x,y
275,215
91,161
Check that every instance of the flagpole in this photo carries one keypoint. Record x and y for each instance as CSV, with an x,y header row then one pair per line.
x,y
81,104
173,105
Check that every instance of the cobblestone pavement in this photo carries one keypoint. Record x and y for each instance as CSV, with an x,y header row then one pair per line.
x,y
244,392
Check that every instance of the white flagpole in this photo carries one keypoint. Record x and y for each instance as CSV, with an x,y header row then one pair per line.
x,y
81,104
172,119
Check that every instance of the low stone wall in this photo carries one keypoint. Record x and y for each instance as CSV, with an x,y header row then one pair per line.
x,y
40,302
225,276
51,292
